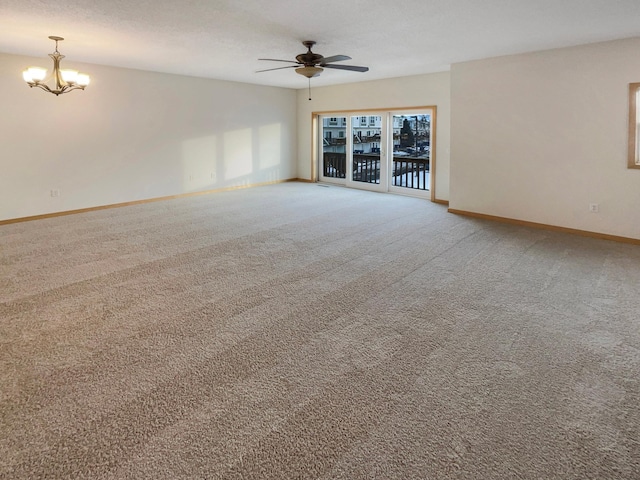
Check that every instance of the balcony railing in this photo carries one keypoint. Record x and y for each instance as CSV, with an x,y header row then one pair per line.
x,y
408,172
411,173
334,165
334,141
366,168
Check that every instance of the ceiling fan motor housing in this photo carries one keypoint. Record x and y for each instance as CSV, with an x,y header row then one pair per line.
x,y
309,59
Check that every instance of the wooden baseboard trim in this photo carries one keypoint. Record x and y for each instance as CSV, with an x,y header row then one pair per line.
x,y
543,226
139,202
441,202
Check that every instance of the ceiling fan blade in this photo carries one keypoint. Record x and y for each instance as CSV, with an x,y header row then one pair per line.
x,y
352,68
335,58
277,68
277,60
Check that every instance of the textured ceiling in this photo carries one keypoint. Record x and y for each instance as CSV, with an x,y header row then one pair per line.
x,y
223,39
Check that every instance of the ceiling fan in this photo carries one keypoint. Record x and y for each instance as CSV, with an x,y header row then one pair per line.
x,y
311,64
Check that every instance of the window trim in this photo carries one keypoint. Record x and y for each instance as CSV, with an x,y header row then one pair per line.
x,y
633,158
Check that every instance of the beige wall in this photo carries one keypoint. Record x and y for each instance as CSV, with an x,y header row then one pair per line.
x,y
135,135
534,137
412,91
538,137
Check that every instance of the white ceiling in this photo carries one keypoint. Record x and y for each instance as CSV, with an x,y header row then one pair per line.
x,y
223,39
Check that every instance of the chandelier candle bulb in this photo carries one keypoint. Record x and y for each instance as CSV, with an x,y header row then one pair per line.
x,y
34,74
83,79
69,76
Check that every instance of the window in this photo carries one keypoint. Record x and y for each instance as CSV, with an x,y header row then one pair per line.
x,y
634,125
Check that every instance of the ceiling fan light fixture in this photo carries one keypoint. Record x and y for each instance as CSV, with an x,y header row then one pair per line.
x,y
309,72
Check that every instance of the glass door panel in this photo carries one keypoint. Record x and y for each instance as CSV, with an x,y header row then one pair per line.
x,y
368,168
410,163
333,149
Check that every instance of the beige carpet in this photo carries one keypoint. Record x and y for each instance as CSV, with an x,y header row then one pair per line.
x,y
301,331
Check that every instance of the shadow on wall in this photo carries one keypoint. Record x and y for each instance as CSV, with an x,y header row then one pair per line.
x,y
234,158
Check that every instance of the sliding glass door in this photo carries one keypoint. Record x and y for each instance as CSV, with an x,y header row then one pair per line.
x,y
389,151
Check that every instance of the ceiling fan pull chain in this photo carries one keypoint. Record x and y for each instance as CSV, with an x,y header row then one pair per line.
x,y
309,89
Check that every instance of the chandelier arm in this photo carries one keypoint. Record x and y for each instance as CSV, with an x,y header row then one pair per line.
x,y
43,86
68,88
58,91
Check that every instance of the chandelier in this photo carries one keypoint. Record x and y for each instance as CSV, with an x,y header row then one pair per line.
x,y
66,80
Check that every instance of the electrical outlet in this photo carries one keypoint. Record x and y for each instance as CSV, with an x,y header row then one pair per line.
x,y
55,193
594,207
